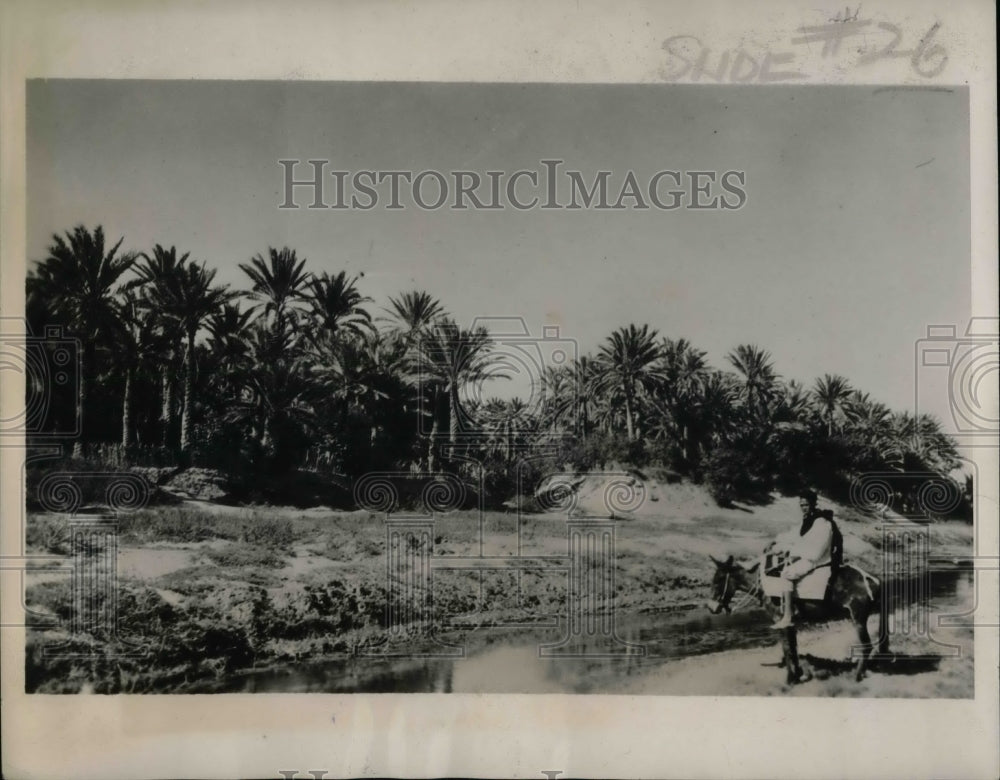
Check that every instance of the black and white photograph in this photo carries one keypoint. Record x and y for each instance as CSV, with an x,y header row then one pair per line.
x,y
668,390
499,388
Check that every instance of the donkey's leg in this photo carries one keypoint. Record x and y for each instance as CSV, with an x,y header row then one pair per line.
x,y
859,615
793,673
772,614
802,671
785,662
786,657
883,624
883,640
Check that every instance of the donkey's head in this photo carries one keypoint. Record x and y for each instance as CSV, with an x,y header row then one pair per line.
x,y
729,577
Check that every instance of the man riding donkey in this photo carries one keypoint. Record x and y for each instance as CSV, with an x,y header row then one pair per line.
x,y
815,543
792,567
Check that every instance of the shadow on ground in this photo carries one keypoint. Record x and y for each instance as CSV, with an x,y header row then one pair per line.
x,y
890,663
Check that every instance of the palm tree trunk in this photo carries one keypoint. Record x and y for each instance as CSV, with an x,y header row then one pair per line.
x,y
452,418
127,409
628,418
186,420
167,408
435,427
81,402
82,396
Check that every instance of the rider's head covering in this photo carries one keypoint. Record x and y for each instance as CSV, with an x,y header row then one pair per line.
x,y
810,496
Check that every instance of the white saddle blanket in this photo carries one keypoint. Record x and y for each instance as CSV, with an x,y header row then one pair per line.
x,y
812,587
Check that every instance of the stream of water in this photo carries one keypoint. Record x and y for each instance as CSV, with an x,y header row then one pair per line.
x,y
499,660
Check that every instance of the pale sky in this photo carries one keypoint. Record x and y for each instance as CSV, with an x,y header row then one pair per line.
x,y
854,238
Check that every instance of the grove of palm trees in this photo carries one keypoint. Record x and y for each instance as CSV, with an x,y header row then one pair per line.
x,y
301,372
257,411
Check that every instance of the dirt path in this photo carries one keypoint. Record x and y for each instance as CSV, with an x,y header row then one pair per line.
x,y
922,668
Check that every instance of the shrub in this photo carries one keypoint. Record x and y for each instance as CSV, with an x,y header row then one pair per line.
x,y
239,555
173,524
272,532
48,533
735,471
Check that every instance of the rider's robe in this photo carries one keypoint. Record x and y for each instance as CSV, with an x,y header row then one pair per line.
x,y
811,549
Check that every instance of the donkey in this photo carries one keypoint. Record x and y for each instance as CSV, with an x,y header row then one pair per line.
x,y
852,594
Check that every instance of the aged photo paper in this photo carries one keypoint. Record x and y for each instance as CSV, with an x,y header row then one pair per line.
x,y
440,389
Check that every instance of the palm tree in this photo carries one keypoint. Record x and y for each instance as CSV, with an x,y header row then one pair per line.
x,y
923,443
78,279
188,298
137,342
792,405
683,370
872,433
277,405
349,369
759,378
627,363
508,424
683,366
228,344
558,395
278,282
584,374
451,357
158,273
337,305
712,405
161,266
228,329
831,392
364,375
224,361
414,312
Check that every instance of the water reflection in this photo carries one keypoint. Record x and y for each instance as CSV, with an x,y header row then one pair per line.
x,y
511,663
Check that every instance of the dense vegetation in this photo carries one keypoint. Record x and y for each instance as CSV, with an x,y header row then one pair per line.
x,y
302,371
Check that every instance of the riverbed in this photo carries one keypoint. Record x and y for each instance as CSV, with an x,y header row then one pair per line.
x,y
519,660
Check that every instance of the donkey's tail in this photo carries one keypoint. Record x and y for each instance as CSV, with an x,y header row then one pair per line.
x,y
876,593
